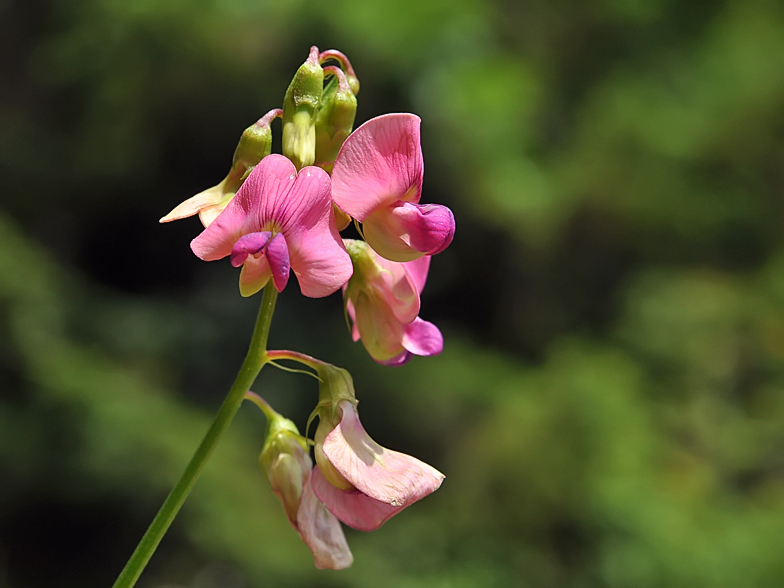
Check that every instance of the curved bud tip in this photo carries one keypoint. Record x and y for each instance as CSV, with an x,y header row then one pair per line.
x,y
384,481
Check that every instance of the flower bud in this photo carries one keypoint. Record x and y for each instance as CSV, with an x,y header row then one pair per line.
x,y
335,118
299,112
285,461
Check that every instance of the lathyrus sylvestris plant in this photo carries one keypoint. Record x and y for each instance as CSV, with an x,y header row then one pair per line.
x,y
275,214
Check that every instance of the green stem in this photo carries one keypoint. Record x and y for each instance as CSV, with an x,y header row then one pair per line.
x,y
254,361
307,360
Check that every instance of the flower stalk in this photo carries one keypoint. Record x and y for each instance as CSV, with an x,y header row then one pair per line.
x,y
255,359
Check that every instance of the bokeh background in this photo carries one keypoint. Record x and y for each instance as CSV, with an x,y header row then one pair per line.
x,y
609,406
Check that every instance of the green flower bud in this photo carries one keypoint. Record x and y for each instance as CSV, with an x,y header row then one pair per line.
x,y
285,461
299,112
335,118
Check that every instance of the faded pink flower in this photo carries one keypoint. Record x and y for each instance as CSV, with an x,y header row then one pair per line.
x,y
377,179
280,220
360,482
382,300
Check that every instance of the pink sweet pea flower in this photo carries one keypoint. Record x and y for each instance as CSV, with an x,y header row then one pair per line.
x,y
280,220
360,482
377,179
382,299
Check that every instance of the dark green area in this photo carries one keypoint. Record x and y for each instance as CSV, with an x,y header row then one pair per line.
x,y
609,406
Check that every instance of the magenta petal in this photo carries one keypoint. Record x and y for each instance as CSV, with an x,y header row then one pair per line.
x,y
405,231
401,359
249,244
321,531
380,163
278,259
319,259
351,506
422,338
388,476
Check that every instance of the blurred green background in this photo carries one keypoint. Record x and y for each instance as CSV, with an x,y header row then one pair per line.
x,y
609,406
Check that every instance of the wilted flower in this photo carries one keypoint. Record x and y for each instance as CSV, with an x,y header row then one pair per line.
x,y
377,179
280,220
382,299
360,482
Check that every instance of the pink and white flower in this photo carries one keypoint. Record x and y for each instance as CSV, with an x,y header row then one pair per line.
x,y
360,482
382,300
280,220
377,179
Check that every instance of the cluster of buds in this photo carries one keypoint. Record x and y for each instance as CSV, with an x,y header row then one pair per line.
x,y
280,213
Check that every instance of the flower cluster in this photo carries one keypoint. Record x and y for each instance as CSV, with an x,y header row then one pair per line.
x,y
280,213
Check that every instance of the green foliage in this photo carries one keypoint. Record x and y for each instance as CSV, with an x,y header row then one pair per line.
x,y
609,407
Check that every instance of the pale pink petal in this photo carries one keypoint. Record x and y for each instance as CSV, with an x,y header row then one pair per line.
x,y
319,259
321,531
250,244
286,476
398,289
422,338
353,316
379,164
277,253
254,275
380,331
351,506
250,211
388,476
405,231
209,213
209,198
417,271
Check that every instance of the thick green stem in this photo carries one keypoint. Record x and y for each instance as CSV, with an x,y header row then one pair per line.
x,y
254,361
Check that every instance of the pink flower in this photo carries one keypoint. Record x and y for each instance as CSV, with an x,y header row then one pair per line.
x,y
382,299
377,179
280,221
360,482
